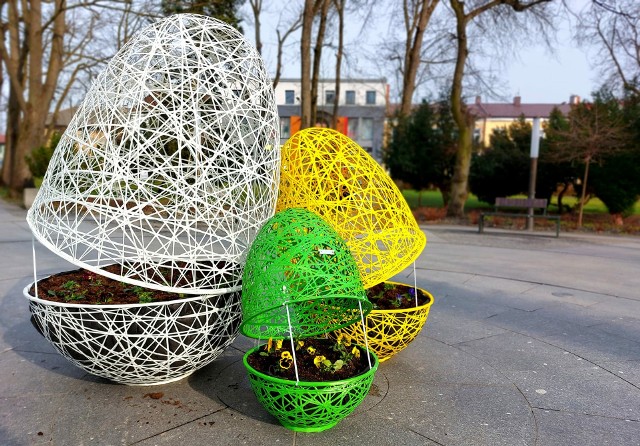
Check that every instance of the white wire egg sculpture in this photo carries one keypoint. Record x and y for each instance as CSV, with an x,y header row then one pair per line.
x,y
170,165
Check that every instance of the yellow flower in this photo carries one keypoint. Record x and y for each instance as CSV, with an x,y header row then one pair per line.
x,y
344,340
286,355
318,360
278,344
355,352
285,363
311,350
300,344
269,344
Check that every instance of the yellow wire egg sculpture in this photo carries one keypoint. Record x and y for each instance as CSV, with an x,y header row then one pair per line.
x,y
327,173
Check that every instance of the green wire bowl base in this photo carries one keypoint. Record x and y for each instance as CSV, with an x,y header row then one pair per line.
x,y
310,406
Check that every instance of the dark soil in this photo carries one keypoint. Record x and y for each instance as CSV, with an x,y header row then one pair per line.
x,y
85,287
389,296
269,363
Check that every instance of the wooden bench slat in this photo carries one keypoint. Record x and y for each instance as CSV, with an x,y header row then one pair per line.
x,y
521,202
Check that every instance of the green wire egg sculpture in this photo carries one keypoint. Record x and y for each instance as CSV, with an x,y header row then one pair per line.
x,y
300,279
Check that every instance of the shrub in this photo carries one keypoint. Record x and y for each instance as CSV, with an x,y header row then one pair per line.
x,y
38,160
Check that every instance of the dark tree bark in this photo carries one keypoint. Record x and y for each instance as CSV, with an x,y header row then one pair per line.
x,y
305,63
322,11
417,14
339,5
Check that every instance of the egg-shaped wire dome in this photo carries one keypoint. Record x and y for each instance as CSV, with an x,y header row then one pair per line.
x,y
300,279
170,165
326,172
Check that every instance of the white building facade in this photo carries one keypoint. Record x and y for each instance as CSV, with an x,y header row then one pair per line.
x,y
362,109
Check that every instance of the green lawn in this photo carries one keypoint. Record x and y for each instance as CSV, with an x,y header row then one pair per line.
x,y
433,198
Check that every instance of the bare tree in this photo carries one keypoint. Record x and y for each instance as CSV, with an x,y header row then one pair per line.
x,y
322,12
464,16
256,9
44,48
33,65
595,130
417,14
308,14
613,29
282,37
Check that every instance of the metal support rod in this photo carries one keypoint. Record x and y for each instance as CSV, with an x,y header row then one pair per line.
x,y
35,274
364,330
293,347
535,148
532,191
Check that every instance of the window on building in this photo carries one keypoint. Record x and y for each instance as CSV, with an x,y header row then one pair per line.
x,y
352,128
289,97
350,97
329,96
285,127
366,129
371,97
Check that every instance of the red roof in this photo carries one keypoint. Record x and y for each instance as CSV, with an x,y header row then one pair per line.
x,y
511,110
514,111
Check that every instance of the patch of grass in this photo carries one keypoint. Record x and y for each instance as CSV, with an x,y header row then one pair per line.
x,y
433,199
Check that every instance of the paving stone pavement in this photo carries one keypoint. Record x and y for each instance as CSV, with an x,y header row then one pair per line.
x,y
532,340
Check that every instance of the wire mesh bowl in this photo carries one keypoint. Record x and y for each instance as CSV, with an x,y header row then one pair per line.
x,y
325,172
140,344
390,331
310,406
300,279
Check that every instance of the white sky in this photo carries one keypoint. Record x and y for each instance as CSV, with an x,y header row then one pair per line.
x,y
540,77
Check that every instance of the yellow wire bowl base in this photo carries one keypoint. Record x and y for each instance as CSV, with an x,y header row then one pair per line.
x,y
390,331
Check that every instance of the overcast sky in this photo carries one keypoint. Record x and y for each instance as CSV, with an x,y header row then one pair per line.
x,y
537,76
544,78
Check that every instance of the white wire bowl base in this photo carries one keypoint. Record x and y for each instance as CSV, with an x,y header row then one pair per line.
x,y
140,344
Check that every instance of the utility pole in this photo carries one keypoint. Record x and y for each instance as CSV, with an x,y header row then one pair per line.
x,y
535,149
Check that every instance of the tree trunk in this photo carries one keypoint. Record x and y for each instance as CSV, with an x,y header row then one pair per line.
x,y
256,8
13,122
561,196
281,39
305,64
413,49
583,194
459,182
339,5
317,58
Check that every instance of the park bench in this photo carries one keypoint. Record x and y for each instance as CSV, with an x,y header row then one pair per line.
x,y
519,207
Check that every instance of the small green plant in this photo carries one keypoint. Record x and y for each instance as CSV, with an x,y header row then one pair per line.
x,y
71,291
144,296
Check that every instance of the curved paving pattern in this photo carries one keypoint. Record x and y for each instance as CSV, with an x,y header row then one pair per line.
x,y
531,340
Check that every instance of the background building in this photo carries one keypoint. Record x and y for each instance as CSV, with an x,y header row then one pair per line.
x,y
495,115
362,109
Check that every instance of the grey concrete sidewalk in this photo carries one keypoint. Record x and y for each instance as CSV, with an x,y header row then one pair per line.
x,y
531,340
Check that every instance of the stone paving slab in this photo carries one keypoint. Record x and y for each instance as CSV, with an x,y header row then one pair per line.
x,y
566,428
531,340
